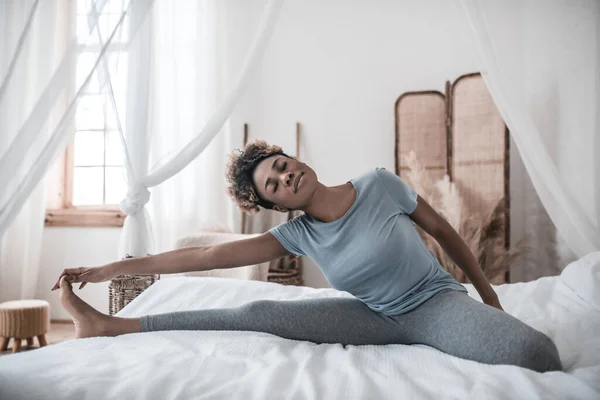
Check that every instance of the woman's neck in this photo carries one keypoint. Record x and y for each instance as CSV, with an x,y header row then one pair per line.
x,y
331,203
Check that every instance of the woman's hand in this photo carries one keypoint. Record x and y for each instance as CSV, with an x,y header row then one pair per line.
x,y
85,275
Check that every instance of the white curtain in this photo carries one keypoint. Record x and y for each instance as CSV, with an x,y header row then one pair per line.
x,y
173,88
38,95
26,64
38,102
188,80
541,63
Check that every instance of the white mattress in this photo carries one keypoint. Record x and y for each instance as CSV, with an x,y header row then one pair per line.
x,y
252,365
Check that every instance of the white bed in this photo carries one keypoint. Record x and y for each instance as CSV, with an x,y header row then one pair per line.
x,y
252,365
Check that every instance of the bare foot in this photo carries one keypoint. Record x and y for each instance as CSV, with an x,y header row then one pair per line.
x,y
88,322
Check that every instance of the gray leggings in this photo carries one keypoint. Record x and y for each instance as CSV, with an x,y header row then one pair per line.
x,y
450,321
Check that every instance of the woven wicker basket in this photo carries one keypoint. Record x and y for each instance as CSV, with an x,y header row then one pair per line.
x,y
286,277
124,288
290,274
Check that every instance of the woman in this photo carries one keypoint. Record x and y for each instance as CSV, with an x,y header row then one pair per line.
x,y
361,234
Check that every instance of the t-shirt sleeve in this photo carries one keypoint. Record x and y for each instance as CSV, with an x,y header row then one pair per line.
x,y
290,234
400,192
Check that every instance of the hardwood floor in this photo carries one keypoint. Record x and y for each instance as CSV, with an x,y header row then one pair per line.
x,y
59,331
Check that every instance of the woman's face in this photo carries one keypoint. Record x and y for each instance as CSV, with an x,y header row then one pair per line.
x,y
284,181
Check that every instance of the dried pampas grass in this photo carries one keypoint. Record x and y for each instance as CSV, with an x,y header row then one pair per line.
x,y
483,234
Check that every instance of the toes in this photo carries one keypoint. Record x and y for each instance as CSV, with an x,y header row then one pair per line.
x,y
64,283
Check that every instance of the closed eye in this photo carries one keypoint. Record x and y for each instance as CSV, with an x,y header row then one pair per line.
x,y
283,167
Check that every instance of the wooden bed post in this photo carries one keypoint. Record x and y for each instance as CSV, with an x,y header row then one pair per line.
x,y
290,263
244,146
288,269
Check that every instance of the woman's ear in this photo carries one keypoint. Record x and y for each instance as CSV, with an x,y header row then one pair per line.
x,y
280,209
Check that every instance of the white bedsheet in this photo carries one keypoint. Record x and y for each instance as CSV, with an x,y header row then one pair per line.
x,y
252,365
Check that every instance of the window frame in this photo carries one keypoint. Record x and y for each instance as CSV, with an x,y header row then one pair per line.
x,y
83,216
64,213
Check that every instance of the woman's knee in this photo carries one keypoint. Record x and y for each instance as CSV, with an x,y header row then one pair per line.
x,y
256,305
540,354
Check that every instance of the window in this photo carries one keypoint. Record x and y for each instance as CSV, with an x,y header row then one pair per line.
x,y
88,181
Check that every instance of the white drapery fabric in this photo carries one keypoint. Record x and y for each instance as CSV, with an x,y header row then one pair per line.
x,y
147,82
38,103
53,99
27,63
541,63
185,90
42,109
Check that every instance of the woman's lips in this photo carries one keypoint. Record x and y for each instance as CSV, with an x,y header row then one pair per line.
x,y
297,183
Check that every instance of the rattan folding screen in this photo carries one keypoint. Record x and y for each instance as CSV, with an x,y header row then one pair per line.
x,y
421,127
461,134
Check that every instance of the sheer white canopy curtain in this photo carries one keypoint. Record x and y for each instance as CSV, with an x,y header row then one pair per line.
x,y
541,63
33,98
185,88
175,95
174,91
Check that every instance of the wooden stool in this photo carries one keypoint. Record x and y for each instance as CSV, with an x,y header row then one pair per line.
x,y
23,319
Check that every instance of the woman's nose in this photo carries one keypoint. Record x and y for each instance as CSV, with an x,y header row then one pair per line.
x,y
288,178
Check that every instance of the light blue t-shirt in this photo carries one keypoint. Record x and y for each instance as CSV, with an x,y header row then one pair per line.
x,y
374,251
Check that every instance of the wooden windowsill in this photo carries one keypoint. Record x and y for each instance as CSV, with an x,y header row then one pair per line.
x,y
87,217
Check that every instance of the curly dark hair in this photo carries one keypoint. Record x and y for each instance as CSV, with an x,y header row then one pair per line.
x,y
240,167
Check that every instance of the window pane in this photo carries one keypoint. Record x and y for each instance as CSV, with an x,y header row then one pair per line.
x,y
108,18
87,185
122,32
89,148
118,71
90,113
117,66
116,187
115,6
111,117
107,23
114,149
85,62
82,29
83,6
87,37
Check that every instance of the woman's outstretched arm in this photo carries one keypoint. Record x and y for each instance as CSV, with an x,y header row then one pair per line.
x,y
238,253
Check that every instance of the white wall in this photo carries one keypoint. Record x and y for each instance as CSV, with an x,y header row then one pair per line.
x,y
64,247
335,66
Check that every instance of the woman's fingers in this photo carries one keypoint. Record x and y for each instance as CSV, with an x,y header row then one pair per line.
x,y
57,284
80,277
72,275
